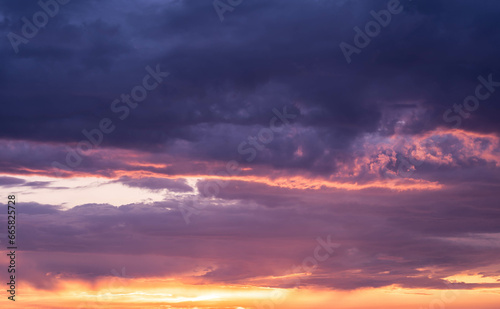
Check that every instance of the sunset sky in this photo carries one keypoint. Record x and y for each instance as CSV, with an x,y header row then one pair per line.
x,y
251,154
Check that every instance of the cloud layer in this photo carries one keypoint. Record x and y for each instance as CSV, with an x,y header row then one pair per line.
x,y
263,138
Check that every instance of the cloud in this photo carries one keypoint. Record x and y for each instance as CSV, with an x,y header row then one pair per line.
x,y
155,184
334,170
383,239
224,88
10,181
38,184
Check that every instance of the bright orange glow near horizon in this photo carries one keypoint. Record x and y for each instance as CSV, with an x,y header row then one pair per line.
x,y
170,293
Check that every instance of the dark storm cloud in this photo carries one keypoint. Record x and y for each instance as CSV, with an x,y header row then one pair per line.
x,y
264,55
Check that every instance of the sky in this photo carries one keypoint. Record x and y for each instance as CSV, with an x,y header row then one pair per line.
x,y
241,154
